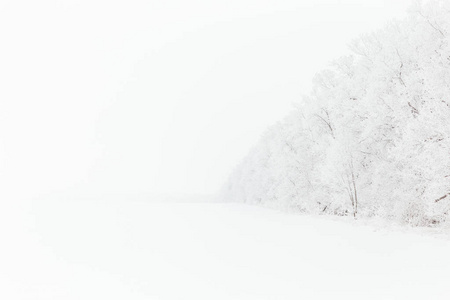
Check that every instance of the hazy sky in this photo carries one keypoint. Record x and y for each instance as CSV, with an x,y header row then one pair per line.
x,y
156,96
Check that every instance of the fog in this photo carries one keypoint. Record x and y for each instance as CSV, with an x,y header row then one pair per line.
x,y
156,97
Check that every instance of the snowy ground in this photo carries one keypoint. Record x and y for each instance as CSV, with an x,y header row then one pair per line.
x,y
137,250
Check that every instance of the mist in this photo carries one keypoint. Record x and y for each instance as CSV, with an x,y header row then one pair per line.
x,y
156,97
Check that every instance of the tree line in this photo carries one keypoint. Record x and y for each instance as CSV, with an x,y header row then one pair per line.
x,y
372,138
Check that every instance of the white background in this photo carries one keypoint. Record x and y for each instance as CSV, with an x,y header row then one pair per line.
x,y
159,97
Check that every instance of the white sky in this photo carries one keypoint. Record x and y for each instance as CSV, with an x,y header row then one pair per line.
x,y
156,96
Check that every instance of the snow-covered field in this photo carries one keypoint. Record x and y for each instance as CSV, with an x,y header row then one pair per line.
x,y
137,250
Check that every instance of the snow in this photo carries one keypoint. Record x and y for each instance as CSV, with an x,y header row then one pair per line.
x,y
117,249
371,139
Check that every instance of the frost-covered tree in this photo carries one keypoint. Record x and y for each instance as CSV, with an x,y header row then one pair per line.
x,y
373,136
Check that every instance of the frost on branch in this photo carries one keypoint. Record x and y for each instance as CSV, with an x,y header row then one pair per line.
x,y
373,136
